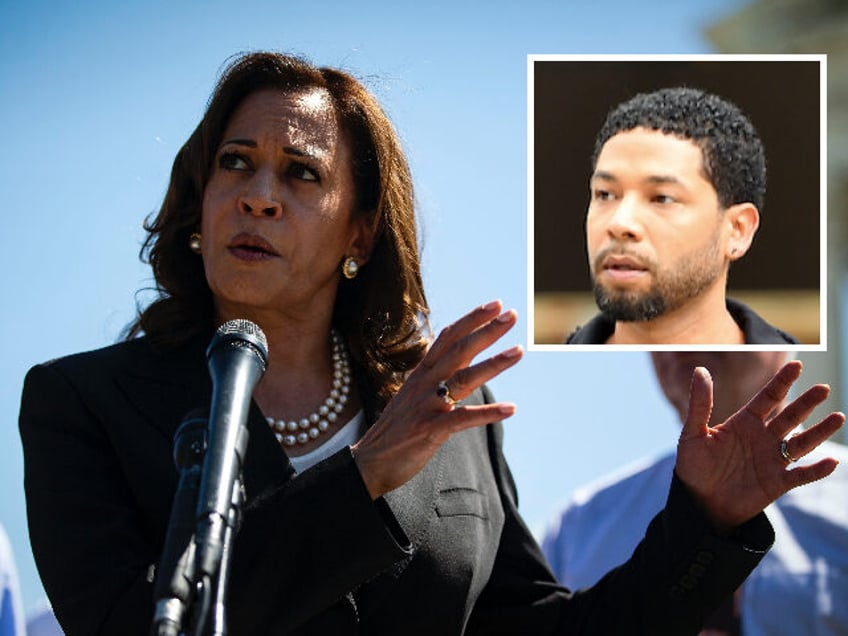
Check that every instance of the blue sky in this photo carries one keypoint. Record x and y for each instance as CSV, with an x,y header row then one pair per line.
x,y
98,97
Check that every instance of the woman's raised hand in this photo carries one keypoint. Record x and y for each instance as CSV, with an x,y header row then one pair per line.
x,y
739,467
422,416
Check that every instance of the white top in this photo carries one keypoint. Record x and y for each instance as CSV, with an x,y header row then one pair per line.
x,y
11,611
800,586
347,435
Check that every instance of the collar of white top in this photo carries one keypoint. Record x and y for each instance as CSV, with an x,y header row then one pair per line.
x,y
347,435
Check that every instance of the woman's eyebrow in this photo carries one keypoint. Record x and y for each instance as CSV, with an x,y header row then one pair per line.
x,y
289,150
250,143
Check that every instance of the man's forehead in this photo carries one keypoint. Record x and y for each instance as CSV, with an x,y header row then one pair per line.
x,y
659,155
650,138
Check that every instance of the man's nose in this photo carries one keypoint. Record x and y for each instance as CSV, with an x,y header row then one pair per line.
x,y
625,221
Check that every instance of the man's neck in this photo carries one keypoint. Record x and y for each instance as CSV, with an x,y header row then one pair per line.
x,y
703,320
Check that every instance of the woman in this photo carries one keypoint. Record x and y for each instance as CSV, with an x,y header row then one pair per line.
x,y
380,504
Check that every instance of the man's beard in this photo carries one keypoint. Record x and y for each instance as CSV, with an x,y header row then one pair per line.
x,y
629,306
670,290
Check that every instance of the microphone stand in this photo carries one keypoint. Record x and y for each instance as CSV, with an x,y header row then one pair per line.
x,y
183,590
219,622
175,581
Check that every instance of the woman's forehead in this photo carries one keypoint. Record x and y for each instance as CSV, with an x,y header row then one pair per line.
x,y
306,117
270,104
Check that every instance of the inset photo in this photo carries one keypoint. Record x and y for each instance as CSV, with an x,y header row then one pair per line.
x,y
677,202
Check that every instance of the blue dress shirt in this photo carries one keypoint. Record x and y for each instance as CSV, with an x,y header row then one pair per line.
x,y
800,586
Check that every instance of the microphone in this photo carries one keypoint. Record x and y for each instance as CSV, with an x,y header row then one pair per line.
x,y
237,357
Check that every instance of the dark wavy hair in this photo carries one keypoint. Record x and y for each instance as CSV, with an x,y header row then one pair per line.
x,y
383,312
734,160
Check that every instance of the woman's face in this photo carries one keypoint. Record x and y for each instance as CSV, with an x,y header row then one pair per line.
x,y
277,215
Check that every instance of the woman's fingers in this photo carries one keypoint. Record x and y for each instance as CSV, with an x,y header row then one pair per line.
x,y
460,342
806,441
478,415
798,410
807,474
478,316
447,371
466,380
700,404
773,393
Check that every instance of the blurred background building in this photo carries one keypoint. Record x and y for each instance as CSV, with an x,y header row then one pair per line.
x,y
812,26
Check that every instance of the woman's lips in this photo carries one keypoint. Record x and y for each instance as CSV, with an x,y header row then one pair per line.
x,y
251,247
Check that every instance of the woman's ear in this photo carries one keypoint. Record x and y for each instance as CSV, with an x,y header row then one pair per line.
x,y
742,221
362,239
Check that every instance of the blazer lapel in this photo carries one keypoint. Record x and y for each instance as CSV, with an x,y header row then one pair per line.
x,y
164,386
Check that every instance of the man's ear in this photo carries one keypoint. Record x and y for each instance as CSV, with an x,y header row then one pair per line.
x,y
742,221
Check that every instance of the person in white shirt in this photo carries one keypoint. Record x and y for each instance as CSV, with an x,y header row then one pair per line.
x,y
42,621
11,612
800,587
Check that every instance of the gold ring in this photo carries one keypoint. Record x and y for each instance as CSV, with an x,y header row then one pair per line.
x,y
443,391
784,452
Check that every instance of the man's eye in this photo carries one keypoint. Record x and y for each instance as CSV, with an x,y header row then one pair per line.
x,y
232,161
602,195
664,199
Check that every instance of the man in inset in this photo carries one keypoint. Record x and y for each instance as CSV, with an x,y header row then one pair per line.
x,y
800,586
678,182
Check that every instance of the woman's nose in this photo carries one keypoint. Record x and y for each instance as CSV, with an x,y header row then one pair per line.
x,y
262,197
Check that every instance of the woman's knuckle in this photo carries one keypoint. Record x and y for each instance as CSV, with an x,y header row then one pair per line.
x,y
446,332
460,379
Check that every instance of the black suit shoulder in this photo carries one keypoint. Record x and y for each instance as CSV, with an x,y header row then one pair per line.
x,y
757,331
137,356
596,331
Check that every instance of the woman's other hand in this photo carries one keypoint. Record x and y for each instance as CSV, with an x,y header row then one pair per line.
x,y
421,417
737,468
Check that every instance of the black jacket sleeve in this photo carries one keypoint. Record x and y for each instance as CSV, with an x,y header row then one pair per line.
x,y
679,572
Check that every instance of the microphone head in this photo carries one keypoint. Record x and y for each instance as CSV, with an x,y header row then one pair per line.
x,y
241,333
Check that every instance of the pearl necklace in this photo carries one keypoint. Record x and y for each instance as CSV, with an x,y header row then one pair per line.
x,y
310,427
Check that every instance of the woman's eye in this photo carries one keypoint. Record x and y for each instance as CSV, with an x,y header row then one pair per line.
x,y
602,195
303,172
232,161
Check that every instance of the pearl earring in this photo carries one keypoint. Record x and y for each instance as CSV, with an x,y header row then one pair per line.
x,y
194,242
350,268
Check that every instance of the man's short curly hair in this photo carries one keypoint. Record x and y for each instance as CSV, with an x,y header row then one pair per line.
x,y
734,160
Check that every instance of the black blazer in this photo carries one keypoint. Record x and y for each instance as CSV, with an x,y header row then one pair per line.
x,y
445,554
